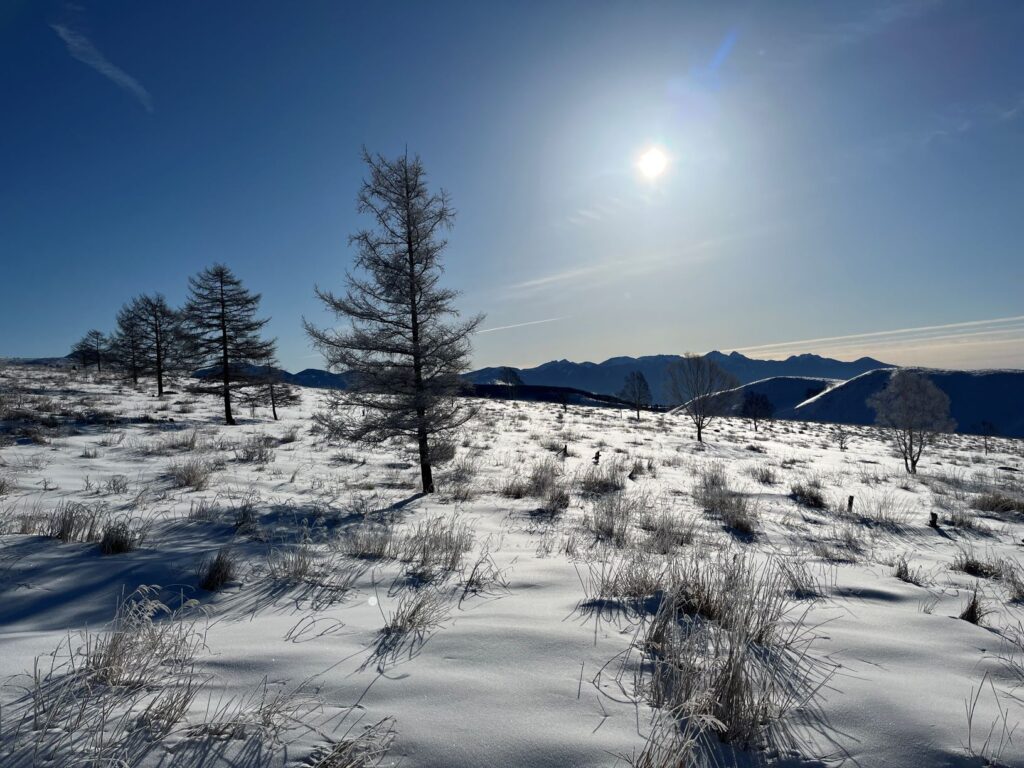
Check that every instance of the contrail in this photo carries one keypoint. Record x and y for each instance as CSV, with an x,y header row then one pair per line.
x,y
882,334
520,325
82,48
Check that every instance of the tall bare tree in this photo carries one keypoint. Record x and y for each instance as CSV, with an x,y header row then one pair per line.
x,y
700,387
92,349
126,343
162,336
224,333
914,411
636,391
405,346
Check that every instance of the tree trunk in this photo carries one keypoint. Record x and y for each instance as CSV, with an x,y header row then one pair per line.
x,y
228,418
273,402
426,471
159,365
700,436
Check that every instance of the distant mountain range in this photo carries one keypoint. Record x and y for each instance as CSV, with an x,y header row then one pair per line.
x,y
608,377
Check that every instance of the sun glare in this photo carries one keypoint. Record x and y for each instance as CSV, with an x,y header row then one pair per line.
x,y
652,163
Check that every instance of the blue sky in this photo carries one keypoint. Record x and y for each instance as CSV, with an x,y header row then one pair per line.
x,y
844,178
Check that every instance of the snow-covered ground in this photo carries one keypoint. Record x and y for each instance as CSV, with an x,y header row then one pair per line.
x,y
508,619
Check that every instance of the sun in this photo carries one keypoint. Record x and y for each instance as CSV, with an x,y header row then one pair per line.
x,y
652,162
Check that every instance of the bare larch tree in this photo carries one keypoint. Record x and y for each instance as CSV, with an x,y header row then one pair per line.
x,y
914,411
405,346
700,387
636,391
223,330
126,343
92,349
162,335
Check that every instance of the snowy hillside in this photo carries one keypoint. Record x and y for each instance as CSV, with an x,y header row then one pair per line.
x,y
289,602
784,392
607,378
975,397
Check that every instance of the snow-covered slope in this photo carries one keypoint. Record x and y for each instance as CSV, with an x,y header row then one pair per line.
x,y
784,392
607,378
533,572
996,396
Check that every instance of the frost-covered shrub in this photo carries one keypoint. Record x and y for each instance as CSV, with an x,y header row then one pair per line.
x,y
256,450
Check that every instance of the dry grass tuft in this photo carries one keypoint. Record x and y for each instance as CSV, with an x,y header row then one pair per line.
x,y
966,561
975,610
726,649
214,572
713,495
364,750
190,473
73,521
808,494
126,534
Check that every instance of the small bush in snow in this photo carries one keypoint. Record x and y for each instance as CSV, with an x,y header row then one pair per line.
x,y
256,450
116,484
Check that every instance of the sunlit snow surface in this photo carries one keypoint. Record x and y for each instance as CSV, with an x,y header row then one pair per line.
x,y
519,673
